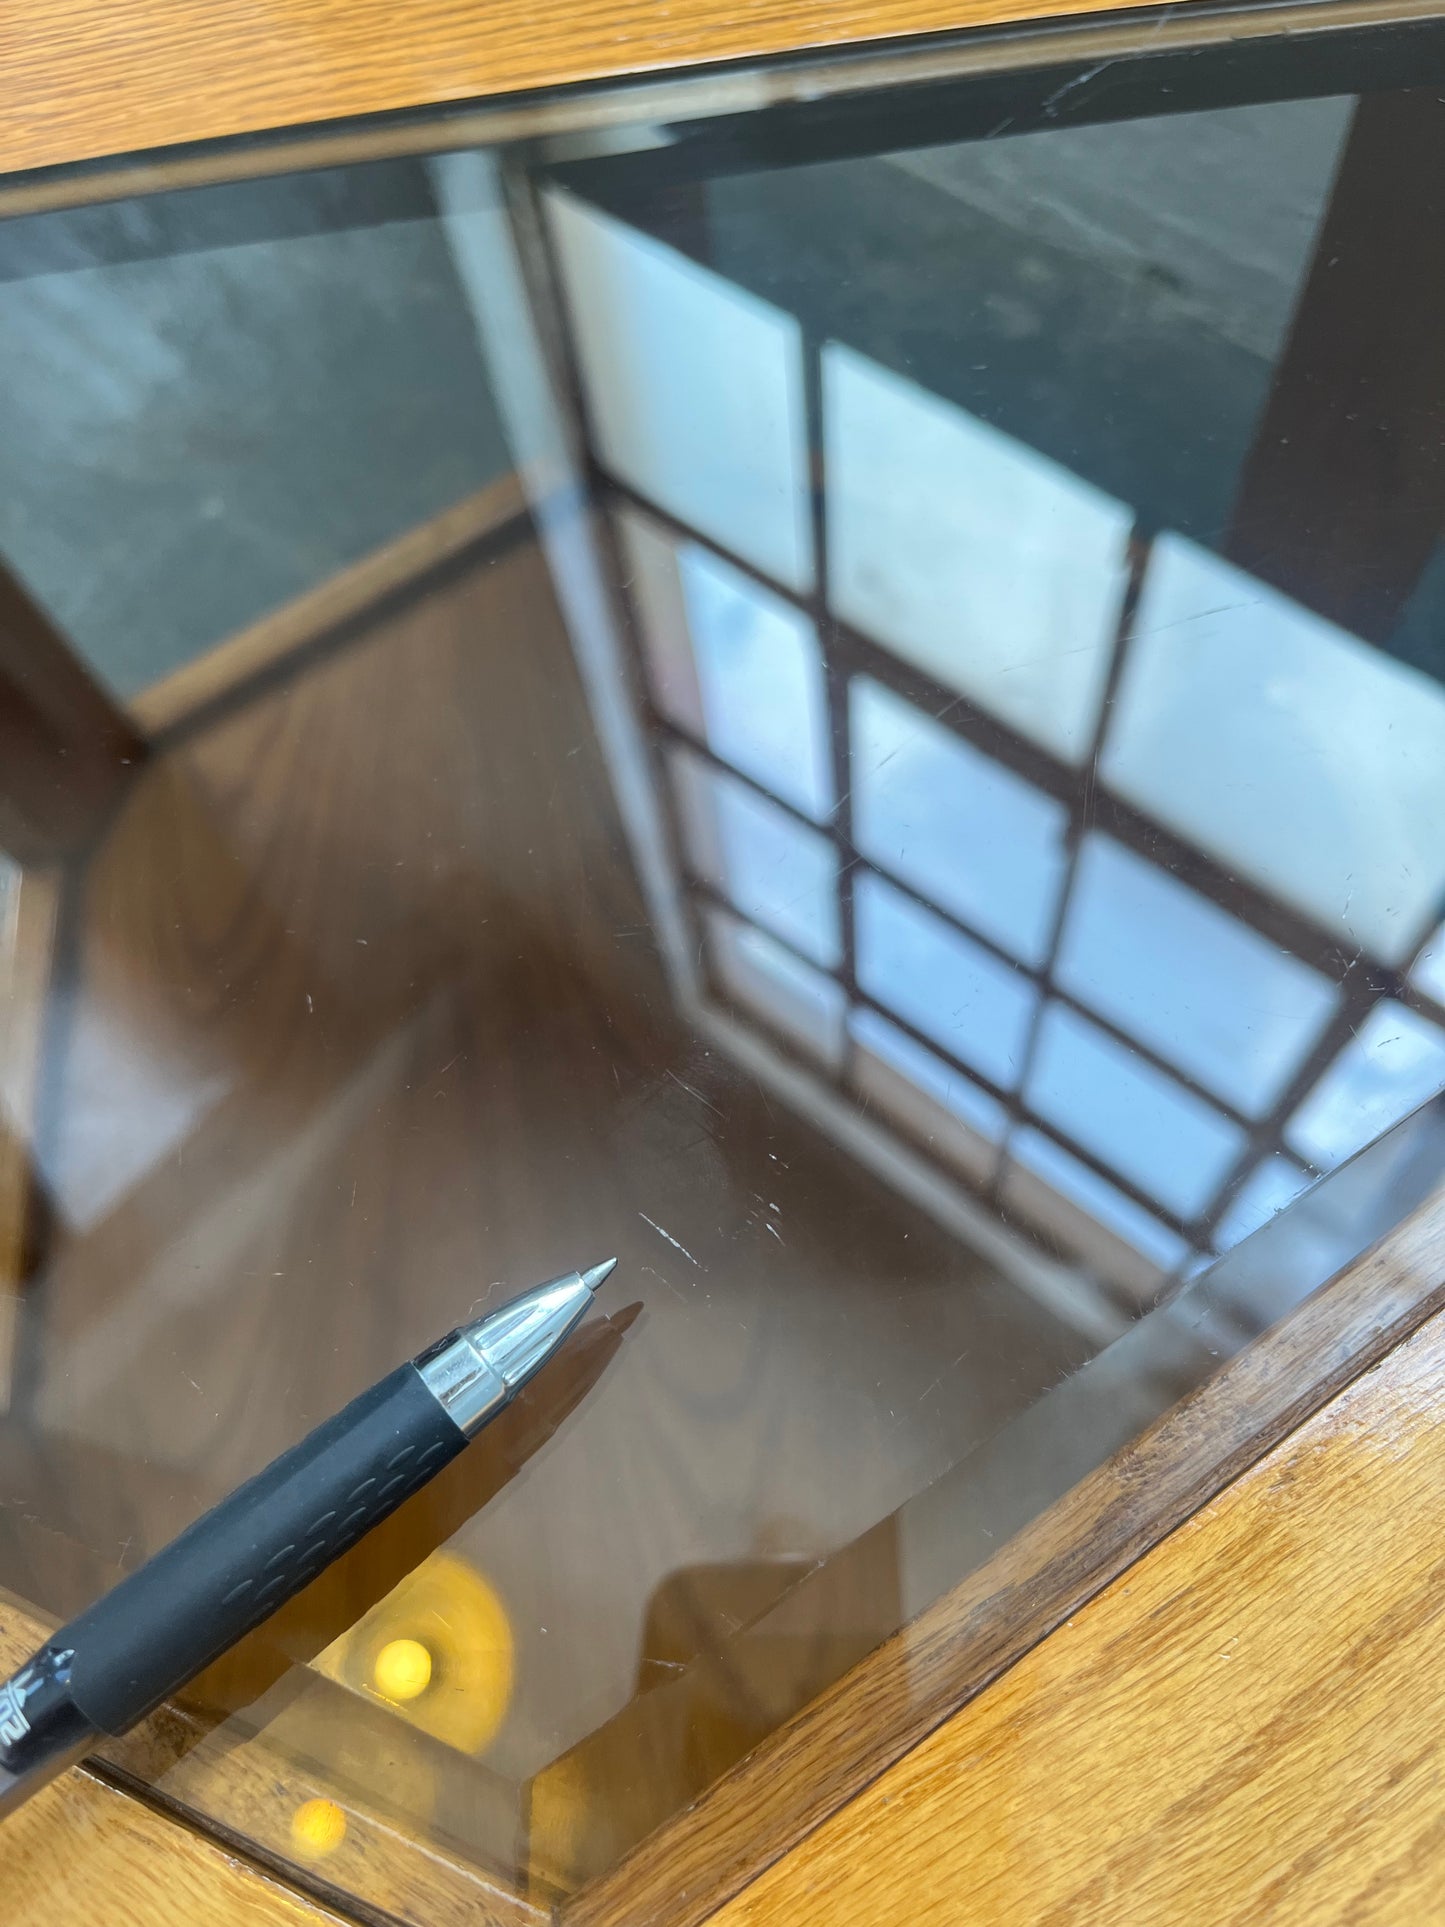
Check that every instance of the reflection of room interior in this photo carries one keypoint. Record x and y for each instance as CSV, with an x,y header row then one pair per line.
x,y
358,995
402,1017
1025,845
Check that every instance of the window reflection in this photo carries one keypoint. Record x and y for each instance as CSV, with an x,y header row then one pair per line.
x,y
1133,1118
1428,974
693,388
1274,1183
738,667
1394,1061
1284,747
1092,866
979,560
922,1086
1052,869
956,825
768,978
1043,1177
1183,976
770,866
940,981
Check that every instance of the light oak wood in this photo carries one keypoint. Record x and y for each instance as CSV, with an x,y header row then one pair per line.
x,y
848,1735
85,79
1247,1726
82,1851
234,668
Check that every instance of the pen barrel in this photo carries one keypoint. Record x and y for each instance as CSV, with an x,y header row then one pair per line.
x,y
240,1561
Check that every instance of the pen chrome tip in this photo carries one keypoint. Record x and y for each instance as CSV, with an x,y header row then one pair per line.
x,y
474,1370
597,1275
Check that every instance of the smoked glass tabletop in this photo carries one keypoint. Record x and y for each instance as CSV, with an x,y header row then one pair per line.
x,y
860,724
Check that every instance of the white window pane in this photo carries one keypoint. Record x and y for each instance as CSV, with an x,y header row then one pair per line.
x,y
693,387
951,989
970,554
963,830
1093,1196
1293,753
733,663
778,872
786,993
1273,1184
1394,1062
762,682
935,1101
1186,978
655,584
1131,1117
1429,972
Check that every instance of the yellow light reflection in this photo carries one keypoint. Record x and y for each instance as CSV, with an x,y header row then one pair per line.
x,y
402,1669
318,1827
438,1649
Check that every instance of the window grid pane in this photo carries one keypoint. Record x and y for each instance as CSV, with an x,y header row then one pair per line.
x,y
1250,1152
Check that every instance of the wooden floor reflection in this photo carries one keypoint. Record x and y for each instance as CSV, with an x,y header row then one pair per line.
x,y
362,1024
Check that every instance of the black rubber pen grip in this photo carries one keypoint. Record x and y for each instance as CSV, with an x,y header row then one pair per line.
x,y
240,1561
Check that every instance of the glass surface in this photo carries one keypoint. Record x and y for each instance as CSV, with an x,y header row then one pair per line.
x,y
1132,1117
674,359
215,401
777,871
734,666
915,842
960,828
990,567
1395,1060
1287,749
957,993
1178,972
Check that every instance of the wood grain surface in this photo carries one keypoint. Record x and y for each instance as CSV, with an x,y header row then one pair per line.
x,y
849,1734
85,79
1248,1726
244,1791
66,751
29,908
81,1851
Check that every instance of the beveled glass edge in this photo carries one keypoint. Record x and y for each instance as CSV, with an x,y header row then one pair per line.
x,y
998,1554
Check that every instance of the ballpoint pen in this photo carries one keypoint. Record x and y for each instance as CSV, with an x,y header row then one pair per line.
x,y
170,1618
